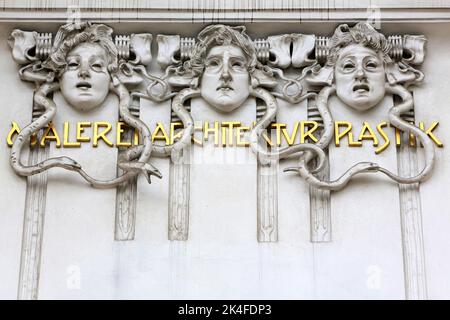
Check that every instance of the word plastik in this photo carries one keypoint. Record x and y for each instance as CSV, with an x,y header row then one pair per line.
x,y
229,133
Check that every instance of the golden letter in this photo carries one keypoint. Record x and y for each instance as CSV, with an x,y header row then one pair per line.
x,y
230,125
66,143
239,134
309,133
290,139
385,137
162,136
207,130
14,130
197,128
429,132
136,137
278,127
173,135
101,135
53,137
80,131
370,136
119,131
338,135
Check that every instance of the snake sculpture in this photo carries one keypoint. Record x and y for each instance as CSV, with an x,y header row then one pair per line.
x,y
399,75
47,72
188,78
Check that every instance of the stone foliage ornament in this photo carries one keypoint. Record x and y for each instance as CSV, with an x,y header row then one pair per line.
x,y
85,64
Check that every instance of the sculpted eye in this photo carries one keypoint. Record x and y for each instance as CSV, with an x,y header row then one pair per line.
x,y
97,66
372,65
348,66
72,64
212,63
238,64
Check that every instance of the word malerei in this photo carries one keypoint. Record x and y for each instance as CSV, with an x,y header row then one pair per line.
x,y
229,133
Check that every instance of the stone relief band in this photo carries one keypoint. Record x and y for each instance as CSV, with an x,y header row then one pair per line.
x,y
224,67
358,64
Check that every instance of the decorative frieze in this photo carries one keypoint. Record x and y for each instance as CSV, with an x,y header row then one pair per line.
x,y
224,67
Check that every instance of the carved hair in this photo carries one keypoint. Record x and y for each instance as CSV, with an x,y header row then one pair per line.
x,y
362,33
68,37
221,35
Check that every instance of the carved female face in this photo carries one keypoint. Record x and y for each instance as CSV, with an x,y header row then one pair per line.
x,y
85,82
360,77
225,81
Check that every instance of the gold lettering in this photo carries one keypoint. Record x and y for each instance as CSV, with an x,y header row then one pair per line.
x,y
370,136
339,135
385,137
173,135
160,136
66,143
14,130
119,131
101,135
290,139
80,131
230,125
398,137
239,134
136,137
429,132
50,137
412,140
207,130
278,127
198,128
309,133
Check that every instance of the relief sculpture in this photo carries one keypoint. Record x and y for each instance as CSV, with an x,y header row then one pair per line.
x,y
85,64
224,66
361,67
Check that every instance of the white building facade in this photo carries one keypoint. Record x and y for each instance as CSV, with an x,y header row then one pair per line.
x,y
224,221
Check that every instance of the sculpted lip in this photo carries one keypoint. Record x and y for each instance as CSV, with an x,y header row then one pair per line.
x,y
83,85
224,87
361,87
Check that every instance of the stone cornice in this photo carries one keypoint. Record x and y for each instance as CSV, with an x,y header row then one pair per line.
x,y
225,11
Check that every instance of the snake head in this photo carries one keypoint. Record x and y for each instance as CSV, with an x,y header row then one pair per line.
x,y
370,166
145,168
67,163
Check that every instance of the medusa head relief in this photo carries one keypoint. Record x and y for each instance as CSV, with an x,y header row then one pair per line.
x,y
85,81
359,56
223,60
85,65
84,62
224,66
360,66
221,64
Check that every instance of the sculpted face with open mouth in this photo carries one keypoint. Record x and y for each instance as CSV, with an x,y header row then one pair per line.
x,y
85,82
360,77
225,81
